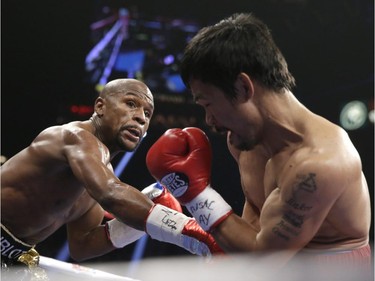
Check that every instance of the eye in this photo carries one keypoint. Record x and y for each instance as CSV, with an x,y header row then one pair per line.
x,y
131,104
147,114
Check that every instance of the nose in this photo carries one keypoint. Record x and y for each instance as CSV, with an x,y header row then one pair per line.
x,y
210,120
139,116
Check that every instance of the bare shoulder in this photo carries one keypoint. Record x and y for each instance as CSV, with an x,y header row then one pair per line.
x,y
60,132
57,141
71,134
329,165
335,156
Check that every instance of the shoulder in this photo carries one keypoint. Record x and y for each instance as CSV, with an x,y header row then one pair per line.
x,y
80,142
61,131
319,173
75,133
72,137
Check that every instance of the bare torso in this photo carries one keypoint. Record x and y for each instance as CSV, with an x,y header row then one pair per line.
x,y
39,191
347,223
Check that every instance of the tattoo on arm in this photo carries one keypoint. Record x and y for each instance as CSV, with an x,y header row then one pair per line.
x,y
305,183
291,221
283,228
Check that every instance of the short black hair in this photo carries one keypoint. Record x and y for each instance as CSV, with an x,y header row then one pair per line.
x,y
217,54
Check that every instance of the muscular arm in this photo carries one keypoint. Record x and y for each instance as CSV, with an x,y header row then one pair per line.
x,y
251,216
290,217
88,160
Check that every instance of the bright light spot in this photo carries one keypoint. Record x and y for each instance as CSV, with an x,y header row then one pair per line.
x,y
371,116
353,115
3,159
168,59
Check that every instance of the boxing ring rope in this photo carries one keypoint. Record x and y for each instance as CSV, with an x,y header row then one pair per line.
x,y
77,271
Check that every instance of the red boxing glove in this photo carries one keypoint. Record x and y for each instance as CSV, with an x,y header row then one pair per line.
x,y
159,195
192,237
181,161
165,224
193,229
169,226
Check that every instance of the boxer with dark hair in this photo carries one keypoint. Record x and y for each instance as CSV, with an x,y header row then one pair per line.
x,y
301,175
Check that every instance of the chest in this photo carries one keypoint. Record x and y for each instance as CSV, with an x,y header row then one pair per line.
x,y
67,199
258,178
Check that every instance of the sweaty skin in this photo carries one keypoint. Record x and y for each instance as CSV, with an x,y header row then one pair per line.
x,y
65,175
301,175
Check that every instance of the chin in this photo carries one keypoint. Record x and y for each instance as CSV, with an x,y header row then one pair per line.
x,y
128,147
245,146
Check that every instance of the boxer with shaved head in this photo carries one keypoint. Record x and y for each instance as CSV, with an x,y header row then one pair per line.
x,y
65,177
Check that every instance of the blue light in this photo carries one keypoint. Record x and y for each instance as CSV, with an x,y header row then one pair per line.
x,y
175,83
132,62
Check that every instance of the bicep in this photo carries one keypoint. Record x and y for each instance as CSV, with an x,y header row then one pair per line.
x,y
251,215
89,162
293,213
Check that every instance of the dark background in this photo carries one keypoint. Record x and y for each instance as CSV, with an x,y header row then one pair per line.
x,y
328,46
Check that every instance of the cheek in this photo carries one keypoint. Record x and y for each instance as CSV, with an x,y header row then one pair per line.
x,y
234,115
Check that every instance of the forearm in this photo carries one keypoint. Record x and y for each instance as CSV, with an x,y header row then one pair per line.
x,y
235,235
128,205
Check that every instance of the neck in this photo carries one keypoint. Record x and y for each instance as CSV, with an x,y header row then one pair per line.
x,y
96,123
98,132
284,118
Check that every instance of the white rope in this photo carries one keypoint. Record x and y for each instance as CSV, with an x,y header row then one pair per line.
x,y
77,270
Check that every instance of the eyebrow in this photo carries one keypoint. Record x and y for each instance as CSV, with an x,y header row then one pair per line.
x,y
141,96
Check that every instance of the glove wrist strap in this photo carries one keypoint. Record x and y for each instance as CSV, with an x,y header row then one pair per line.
x,y
209,208
165,224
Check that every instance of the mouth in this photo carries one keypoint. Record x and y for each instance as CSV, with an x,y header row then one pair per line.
x,y
220,130
133,134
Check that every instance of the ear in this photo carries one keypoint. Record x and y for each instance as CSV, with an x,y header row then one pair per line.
x,y
244,86
99,106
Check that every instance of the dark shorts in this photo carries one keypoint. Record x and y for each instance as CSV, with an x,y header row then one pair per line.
x,y
11,248
19,261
